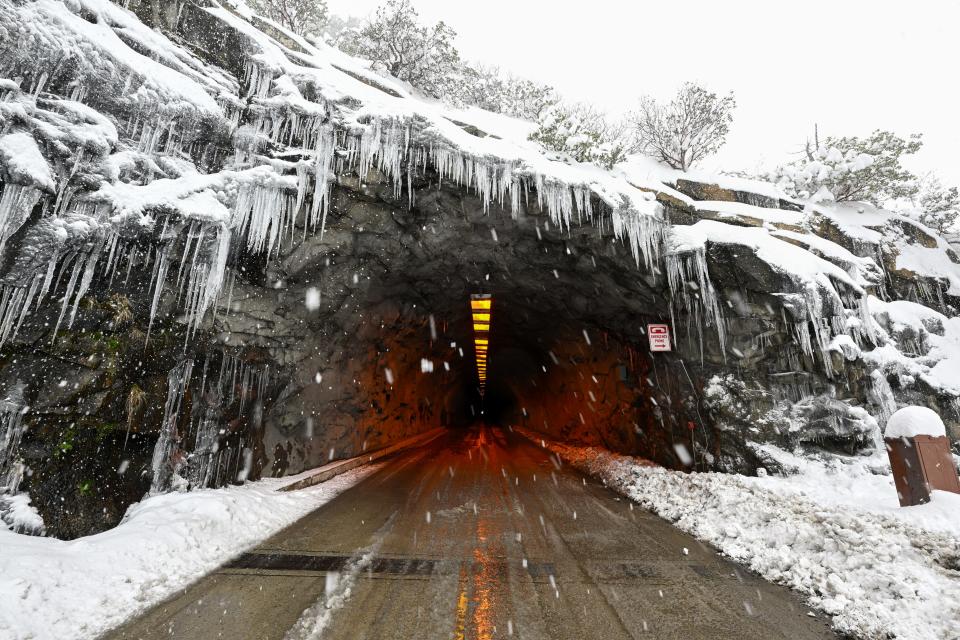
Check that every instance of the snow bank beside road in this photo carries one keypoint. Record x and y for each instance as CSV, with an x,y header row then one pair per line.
x,y
878,575
79,589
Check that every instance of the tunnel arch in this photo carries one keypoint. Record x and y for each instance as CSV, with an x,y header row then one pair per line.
x,y
388,271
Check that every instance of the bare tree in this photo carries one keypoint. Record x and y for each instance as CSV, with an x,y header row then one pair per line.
x,y
685,130
396,42
300,16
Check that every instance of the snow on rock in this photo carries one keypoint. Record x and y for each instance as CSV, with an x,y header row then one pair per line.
x,y
916,346
818,293
787,258
915,421
877,571
82,588
152,99
103,38
20,157
864,270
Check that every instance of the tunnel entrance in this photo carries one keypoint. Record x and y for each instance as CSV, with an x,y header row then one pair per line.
x,y
350,342
562,346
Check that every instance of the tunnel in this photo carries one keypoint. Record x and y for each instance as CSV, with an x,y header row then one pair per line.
x,y
341,339
568,354
346,341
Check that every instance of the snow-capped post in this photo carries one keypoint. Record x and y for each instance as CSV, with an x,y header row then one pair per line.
x,y
920,457
659,335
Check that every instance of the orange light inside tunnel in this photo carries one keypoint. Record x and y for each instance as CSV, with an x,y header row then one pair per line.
x,y
481,311
478,304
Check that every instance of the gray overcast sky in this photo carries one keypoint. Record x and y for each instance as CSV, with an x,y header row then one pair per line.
x,y
850,65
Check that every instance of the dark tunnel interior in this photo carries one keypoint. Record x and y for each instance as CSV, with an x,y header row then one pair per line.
x,y
567,346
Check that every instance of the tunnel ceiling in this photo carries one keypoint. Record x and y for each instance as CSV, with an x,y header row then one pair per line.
x,y
240,255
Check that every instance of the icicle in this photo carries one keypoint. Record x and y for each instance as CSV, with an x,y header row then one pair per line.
x,y
323,165
163,464
205,456
206,278
12,410
683,268
159,278
262,213
882,396
237,385
16,203
258,80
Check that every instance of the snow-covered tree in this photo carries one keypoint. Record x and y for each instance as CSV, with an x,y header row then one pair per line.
x,y
300,16
939,206
495,90
338,25
693,125
853,169
583,133
396,42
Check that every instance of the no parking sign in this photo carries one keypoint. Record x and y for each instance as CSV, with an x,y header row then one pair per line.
x,y
659,335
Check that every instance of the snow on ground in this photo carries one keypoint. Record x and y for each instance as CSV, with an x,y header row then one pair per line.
x,y
79,589
832,531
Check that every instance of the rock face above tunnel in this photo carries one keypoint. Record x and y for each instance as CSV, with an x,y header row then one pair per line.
x,y
228,253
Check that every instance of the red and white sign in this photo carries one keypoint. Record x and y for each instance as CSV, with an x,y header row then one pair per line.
x,y
659,335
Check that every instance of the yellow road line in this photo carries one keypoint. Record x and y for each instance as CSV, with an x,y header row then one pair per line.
x,y
461,628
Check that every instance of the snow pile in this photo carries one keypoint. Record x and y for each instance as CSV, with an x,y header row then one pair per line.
x,y
80,589
19,515
877,573
915,421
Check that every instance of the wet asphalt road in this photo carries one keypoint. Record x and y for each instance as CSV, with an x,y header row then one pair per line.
x,y
479,535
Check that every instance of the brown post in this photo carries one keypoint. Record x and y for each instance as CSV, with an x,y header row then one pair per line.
x,y
921,464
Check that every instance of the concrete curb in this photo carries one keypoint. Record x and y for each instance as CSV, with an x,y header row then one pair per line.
x,y
335,468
